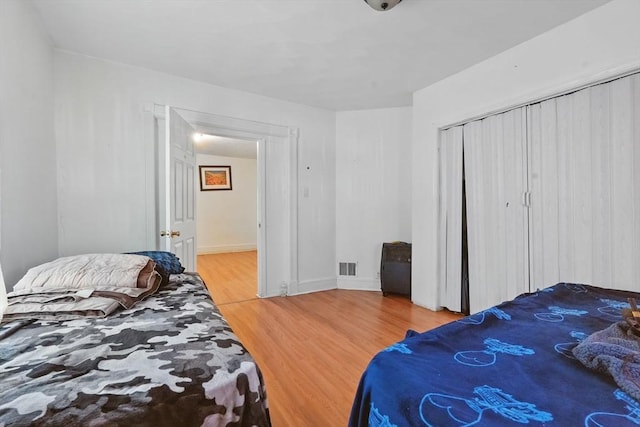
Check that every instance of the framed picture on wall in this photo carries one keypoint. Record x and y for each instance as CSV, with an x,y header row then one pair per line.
x,y
215,178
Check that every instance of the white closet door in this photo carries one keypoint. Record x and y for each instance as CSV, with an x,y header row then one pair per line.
x,y
585,180
497,220
450,288
545,156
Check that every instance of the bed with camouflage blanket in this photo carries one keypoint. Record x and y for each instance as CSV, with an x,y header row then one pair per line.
x,y
171,360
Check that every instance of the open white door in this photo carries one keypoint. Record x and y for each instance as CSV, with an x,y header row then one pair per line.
x,y
178,221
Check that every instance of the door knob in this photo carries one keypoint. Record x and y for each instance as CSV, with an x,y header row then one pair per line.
x,y
170,233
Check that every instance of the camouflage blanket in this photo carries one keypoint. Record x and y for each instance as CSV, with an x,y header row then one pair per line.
x,y
172,360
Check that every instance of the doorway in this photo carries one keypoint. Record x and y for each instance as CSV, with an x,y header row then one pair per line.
x,y
227,216
277,177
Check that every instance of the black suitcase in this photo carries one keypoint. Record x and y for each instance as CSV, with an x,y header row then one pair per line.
x,y
395,268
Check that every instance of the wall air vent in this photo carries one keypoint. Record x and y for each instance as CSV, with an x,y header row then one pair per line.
x,y
347,268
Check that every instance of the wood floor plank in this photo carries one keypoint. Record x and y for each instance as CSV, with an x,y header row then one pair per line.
x,y
313,348
230,277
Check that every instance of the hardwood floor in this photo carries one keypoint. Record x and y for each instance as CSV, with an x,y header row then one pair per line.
x,y
312,349
230,277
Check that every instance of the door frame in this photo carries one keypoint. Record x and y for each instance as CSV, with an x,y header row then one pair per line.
x,y
230,127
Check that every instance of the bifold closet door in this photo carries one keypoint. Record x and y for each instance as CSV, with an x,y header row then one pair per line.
x,y
585,185
497,220
450,285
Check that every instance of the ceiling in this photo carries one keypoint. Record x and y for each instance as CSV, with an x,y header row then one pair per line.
x,y
333,54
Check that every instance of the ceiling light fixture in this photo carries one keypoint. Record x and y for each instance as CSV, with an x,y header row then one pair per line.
x,y
198,137
382,5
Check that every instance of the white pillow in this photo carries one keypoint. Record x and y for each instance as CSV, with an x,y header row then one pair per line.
x,y
3,295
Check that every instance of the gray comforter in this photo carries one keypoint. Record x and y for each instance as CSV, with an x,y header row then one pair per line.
x,y
614,351
172,360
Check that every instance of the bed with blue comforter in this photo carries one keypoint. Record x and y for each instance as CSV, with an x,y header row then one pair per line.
x,y
512,364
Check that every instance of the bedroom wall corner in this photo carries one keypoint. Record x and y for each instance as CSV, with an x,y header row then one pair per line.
x,y
29,217
373,189
599,44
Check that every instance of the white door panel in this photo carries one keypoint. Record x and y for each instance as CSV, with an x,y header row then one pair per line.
x,y
495,170
585,177
450,290
179,222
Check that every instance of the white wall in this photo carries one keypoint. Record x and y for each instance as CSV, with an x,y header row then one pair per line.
x,y
601,43
27,148
102,153
227,219
373,188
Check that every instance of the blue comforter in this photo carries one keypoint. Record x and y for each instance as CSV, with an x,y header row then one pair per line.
x,y
511,364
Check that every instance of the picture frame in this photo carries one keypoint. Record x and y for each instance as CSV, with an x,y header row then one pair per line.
x,y
213,178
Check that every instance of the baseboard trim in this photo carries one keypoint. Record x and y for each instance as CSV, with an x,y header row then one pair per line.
x,y
359,283
329,283
315,285
244,247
